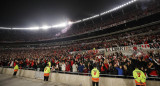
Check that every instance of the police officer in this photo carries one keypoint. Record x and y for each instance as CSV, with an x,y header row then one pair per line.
x,y
139,76
15,70
46,72
95,76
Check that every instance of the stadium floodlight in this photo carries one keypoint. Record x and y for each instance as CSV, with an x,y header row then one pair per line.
x,y
60,25
94,16
70,23
63,24
5,28
118,7
45,27
77,21
31,28
85,19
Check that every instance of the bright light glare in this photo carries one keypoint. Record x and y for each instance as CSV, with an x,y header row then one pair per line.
x,y
45,27
4,28
70,23
116,8
60,25
31,28
63,24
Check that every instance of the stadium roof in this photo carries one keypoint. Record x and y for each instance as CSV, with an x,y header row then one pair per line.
x,y
43,13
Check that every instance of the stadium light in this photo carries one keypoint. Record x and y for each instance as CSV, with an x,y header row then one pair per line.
x,y
45,27
70,23
60,25
31,28
90,17
118,7
77,21
63,24
5,28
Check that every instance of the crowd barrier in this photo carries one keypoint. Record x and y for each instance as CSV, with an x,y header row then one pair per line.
x,y
78,80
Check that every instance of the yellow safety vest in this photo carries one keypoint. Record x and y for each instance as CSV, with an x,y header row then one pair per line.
x,y
139,76
95,75
46,71
16,68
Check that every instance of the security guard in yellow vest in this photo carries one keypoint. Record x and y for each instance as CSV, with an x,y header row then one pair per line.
x,y
15,70
140,78
95,76
46,72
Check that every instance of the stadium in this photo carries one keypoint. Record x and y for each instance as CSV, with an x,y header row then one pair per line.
x,y
80,43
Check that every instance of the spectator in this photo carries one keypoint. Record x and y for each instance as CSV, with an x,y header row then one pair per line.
x,y
74,67
63,67
80,67
120,70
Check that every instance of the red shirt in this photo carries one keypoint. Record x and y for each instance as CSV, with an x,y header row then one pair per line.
x,y
14,64
102,68
52,60
106,65
68,67
72,63
32,64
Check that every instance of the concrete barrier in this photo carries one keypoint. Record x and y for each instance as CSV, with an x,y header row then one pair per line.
x,y
39,75
9,71
72,79
77,79
1,70
105,81
29,74
4,70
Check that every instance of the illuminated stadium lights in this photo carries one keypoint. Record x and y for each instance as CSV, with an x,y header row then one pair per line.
x,y
31,28
69,23
121,6
45,27
60,25
4,28
91,17
77,21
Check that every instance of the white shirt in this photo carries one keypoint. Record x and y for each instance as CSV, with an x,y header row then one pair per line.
x,y
74,67
63,67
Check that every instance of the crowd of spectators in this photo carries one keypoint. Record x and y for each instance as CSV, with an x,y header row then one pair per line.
x,y
116,63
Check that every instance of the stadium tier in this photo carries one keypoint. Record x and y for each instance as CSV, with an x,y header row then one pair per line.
x,y
116,43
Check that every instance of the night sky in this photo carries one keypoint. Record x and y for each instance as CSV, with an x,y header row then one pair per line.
x,y
27,13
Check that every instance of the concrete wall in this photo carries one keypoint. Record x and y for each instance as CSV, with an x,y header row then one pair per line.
x,y
77,79
72,79
1,70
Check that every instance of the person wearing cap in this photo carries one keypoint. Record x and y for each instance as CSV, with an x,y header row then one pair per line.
x,y
16,67
139,76
95,76
46,72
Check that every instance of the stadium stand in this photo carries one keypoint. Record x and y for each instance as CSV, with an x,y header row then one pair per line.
x,y
80,47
